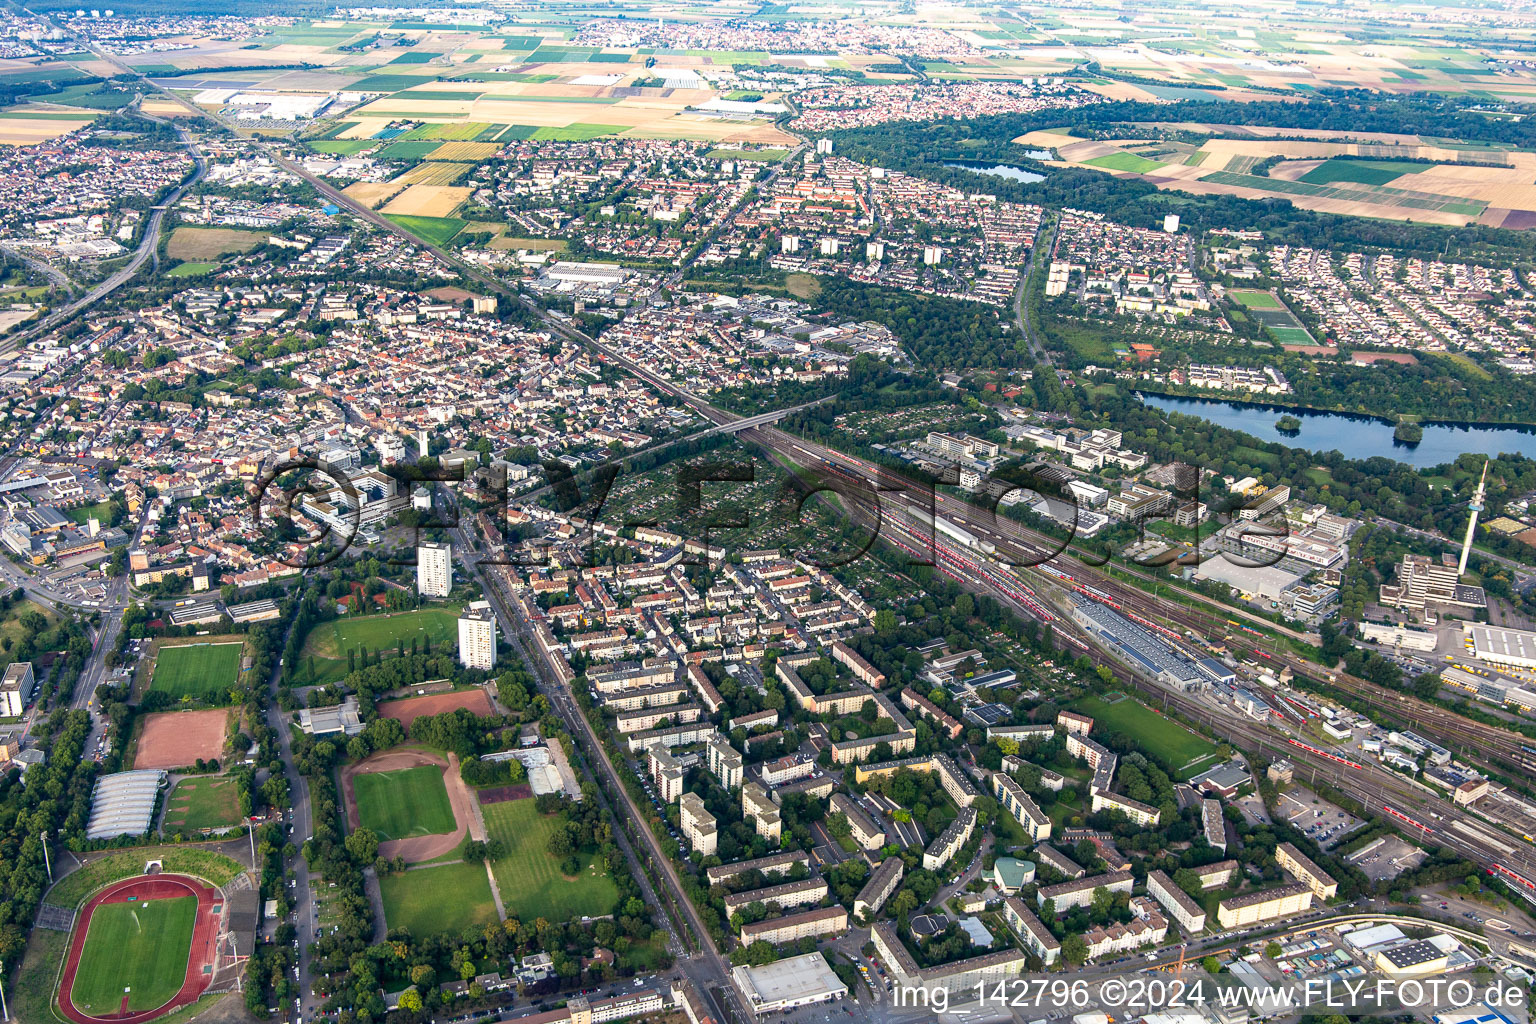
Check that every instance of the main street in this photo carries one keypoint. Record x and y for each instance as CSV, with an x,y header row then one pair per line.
x,y
300,828
704,966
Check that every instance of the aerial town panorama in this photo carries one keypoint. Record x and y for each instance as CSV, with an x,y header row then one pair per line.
x,y
735,512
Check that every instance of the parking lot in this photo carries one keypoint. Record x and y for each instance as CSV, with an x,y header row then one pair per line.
x,y
1387,857
1323,823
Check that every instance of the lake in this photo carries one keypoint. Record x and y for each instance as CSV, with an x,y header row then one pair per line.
x,y
1008,171
1357,437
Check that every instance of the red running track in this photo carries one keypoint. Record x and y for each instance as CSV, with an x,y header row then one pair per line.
x,y
205,930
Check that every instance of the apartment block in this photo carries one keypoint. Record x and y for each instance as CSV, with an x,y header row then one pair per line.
x,y
725,763
477,637
1265,905
698,825
1079,893
882,883
794,927
1304,870
434,570
756,804
1184,911
1037,938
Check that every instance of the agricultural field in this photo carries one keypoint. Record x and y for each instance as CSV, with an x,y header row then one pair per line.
x,y
342,147
193,243
206,802
430,201
408,802
1362,172
432,173
1124,162
371,193
1182,752
443,898
196,669
323,658
30,127
529,877
435,230
1366,174
139,947
413,149
471,152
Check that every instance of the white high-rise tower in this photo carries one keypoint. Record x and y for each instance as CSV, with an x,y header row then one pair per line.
x,y
1476,507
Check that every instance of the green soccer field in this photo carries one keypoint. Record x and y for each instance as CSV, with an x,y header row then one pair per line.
x,y
193,670
140,946
408,802
208,802
1166,740
323,658
529,875
1253,299
445,898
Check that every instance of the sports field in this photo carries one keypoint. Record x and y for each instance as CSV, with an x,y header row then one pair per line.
x,y
408,802
140,946
1250,298
325,649
444,898
529,875
194,670
207,802
1166,740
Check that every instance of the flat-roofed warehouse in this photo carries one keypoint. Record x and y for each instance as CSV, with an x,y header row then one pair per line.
x,y
124,804
1498,646
788,983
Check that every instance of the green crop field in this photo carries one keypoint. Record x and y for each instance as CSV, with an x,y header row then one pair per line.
x,y
413,149
1252,299
771,156
1161,737
578,132
1124,162
529,875
194,670
408,802
435,230
207,802
342,147
391,83
139,946
443,898
416,57
1359,172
